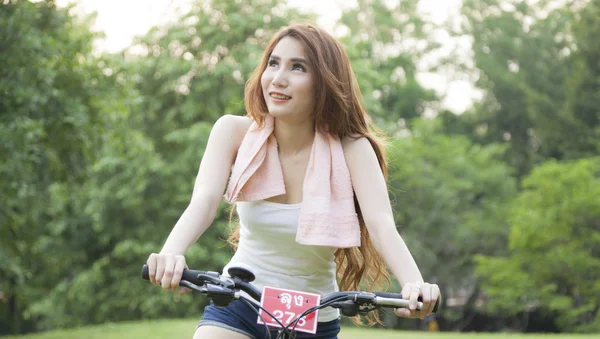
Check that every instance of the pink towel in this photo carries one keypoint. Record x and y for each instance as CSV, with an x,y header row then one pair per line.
x,y
327,216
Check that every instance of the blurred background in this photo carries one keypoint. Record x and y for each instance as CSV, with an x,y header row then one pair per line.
x,y
492,108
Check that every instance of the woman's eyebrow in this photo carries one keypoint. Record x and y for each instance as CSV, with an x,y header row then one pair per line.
x,y
276,57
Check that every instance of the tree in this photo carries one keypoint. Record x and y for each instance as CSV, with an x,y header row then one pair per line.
x,y
582,103
385,42
50,123
554,248
523,55
450,198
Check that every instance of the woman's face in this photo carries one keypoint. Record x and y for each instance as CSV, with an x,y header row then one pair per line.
x,y
288,82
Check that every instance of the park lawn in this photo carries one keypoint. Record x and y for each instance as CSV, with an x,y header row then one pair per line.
x,y
173,329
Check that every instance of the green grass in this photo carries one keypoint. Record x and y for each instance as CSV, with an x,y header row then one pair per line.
x,y
185,328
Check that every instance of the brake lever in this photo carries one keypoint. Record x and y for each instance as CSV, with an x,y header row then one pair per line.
x,y
193,286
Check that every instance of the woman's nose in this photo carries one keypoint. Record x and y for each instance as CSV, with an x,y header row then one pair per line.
x,y
279,79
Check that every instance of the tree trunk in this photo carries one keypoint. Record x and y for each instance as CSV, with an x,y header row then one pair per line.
x,y
13,308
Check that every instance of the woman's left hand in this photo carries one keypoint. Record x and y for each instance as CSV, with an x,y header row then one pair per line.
x,y
429,293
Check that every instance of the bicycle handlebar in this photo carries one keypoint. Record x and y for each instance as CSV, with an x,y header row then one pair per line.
x,y
188,275
223,289
197,280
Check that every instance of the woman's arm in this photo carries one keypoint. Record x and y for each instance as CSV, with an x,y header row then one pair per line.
x,y
213,174
223,143
372,194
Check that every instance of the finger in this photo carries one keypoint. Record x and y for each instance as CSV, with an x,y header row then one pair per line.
x,y
435,296
405,292
426,294
160,269
177,272
403,312
415,291
168,275
184,290
151,263
406,296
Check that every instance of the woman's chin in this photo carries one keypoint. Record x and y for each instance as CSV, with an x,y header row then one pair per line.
x,y
278,113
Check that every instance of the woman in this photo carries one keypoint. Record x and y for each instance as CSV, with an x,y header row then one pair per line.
x,y
308,182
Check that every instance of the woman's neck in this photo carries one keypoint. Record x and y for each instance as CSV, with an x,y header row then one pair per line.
x,y
294,138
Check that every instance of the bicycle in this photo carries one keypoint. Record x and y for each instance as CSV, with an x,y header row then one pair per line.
x,y
224,289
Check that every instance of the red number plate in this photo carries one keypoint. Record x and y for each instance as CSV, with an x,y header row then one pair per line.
x,y
286,306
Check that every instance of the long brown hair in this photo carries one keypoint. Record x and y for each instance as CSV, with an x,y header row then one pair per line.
x,y
339,110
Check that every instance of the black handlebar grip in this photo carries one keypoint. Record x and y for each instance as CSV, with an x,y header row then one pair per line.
x,y
187,275
145,274
193,276
399,296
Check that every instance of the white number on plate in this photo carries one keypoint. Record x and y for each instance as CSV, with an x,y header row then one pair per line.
x,y
291,316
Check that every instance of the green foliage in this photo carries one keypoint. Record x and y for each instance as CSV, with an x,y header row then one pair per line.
x,y
384,41
554,259
539,70
525,55
49,124
581,111
449,198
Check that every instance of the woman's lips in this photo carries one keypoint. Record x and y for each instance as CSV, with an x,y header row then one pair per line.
x,y
279,96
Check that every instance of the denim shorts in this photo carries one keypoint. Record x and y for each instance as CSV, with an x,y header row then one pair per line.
x,y
240,318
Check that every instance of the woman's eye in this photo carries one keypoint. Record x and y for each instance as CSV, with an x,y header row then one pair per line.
x,y
299,67
272,63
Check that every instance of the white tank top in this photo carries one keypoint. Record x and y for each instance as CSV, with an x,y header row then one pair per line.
x,y
268,245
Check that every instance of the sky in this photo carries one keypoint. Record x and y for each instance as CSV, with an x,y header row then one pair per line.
x,y
122,20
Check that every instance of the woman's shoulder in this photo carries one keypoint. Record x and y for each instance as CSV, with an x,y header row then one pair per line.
x,y
356,143
230,130
233,125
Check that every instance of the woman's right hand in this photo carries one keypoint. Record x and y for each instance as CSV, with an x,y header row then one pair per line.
x,y
166,269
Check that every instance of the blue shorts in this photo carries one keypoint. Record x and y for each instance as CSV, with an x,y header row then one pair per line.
x,y
240,318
